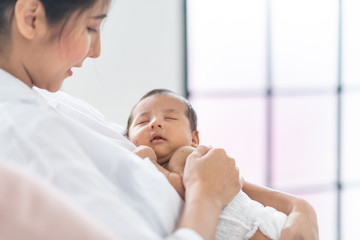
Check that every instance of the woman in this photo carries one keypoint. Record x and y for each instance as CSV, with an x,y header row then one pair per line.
x,y
40,41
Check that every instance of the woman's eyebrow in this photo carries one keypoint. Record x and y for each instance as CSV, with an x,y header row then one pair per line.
x,y
101,16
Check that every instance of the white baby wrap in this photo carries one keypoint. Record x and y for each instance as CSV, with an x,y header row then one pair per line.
x,y
242,217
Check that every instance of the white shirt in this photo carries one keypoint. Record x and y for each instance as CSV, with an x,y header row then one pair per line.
x,y
82,112
125,194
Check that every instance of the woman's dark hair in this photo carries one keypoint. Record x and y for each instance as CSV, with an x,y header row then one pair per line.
x,y
6,15
191,114
57,12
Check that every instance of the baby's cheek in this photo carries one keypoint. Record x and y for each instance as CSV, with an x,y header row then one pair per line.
x,y
140,141
134,138
135,141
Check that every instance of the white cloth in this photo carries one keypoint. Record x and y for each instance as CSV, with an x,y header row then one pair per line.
x,y
31,210
82,112
242,217
239,220
121,192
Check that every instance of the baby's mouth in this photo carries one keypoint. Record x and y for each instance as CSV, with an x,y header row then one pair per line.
x,y
157,138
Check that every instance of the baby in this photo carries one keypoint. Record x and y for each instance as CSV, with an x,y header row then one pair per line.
x,y
163,125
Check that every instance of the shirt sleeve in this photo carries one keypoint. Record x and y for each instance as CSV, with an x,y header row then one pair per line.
x,y
32,210
184,233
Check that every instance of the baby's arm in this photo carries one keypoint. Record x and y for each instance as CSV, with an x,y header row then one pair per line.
x,y
175,168
177,161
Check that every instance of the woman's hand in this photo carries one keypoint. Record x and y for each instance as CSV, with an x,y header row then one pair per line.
x,y
212,173
211,181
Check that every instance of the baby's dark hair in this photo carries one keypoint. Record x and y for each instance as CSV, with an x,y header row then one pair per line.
x,y
191,114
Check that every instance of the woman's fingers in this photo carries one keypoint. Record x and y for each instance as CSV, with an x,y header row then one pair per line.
x,y
214,172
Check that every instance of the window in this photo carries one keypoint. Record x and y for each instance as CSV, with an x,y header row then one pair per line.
x,y
276,83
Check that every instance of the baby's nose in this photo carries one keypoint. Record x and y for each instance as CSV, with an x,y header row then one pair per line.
x,y
156,125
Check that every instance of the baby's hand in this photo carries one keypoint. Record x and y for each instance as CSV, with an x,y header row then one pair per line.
x,y
177,162
146,152
174,178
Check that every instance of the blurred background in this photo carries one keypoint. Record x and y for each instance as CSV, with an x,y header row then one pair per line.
x,y
274,82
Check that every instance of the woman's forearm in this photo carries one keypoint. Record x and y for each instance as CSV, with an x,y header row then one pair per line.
x,y
211,180
201,214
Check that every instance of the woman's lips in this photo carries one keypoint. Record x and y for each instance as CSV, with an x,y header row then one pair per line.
x,y
70,72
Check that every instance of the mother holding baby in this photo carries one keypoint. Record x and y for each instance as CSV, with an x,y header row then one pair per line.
x,y
93,174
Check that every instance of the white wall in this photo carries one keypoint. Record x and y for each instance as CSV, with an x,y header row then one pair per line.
x,y
142,49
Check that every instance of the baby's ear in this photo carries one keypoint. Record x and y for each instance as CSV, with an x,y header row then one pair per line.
x,y
195,138
30,18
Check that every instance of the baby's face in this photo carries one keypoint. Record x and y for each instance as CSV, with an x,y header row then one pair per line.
x,y
160,122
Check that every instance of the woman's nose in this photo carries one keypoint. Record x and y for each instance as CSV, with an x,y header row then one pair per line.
x,y
95,48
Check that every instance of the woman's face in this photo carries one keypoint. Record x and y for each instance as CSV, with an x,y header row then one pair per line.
x,y
57,55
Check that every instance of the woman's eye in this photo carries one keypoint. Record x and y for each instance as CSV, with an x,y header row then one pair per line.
x,y
92,30
171,118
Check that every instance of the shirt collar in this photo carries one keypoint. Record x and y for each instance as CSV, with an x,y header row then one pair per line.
x,y
12,88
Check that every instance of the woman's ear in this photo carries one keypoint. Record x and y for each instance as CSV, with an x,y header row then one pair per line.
x,y
30,18
195,138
